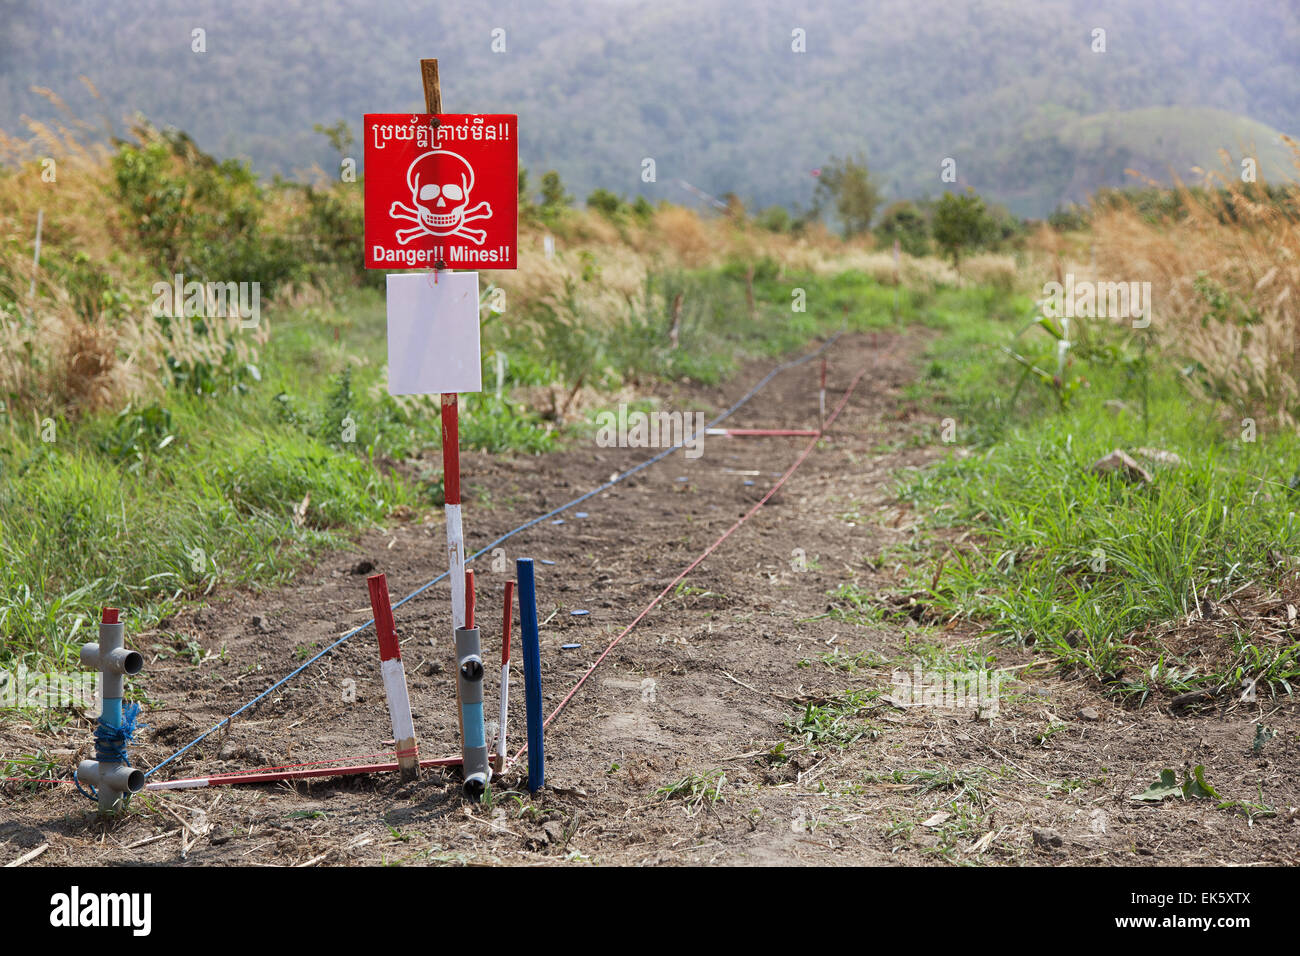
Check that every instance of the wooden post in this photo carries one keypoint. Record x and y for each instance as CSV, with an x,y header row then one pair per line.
x,y
432,88
36,254
897,280
450,436
675,330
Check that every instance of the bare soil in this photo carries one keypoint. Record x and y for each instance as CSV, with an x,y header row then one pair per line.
x,y
684,747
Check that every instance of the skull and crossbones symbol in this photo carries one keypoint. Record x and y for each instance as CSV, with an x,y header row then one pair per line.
x,y
446,177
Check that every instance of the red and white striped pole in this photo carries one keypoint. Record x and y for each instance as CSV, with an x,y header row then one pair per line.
x,y
276,775
394,674
455,531
761,432
505,675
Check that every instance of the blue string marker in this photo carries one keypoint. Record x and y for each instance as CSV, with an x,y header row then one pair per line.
x,y
532,647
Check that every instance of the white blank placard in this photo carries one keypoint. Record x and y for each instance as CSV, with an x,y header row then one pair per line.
x,y
433,331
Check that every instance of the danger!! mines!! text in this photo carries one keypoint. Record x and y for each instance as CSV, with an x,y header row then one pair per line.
x,y
453,256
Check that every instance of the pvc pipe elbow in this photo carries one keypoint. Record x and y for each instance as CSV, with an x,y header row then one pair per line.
x,y
116,777
124,661
471,668
121,660
475,785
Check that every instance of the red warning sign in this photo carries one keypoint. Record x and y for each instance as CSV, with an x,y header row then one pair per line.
x,y
441,197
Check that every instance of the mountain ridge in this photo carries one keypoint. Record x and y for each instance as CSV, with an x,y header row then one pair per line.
x,y
711,90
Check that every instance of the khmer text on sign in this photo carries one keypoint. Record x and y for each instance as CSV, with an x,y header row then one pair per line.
x,y
443,196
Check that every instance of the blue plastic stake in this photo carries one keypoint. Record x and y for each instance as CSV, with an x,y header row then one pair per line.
x,y
532,647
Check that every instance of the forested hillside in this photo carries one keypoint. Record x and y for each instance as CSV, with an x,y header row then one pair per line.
x,y
710,89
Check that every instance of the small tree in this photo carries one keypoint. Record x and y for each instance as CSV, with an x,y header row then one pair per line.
x,y
961,222
847,186
604,202
904,222
735,207
774,219
554,198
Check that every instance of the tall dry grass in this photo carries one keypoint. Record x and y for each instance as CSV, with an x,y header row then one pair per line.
x,y
600,267
86,339
53,356
76,329
1225,286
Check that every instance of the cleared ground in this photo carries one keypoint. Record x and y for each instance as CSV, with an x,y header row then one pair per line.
x,y
750,718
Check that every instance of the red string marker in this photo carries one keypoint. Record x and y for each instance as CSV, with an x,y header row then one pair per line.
x,y
808,450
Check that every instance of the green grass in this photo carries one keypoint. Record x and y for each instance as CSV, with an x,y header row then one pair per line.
x,y
215,508
694,789
164,503
1079,564
836,721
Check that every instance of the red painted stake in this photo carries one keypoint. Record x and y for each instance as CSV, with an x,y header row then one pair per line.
x,y
383,611
506,621
508,616
394,675
303,774
451,448
469,598
455,530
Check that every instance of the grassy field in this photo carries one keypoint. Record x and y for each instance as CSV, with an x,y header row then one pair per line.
x,y
147,461
1021,538
167,500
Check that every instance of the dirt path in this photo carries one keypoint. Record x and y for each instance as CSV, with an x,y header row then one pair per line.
x,y
690,743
